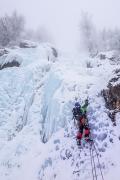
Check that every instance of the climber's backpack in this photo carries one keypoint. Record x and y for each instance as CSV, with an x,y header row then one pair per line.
x,y
77,114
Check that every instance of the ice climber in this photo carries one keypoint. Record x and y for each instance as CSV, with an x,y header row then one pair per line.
x,y
80,115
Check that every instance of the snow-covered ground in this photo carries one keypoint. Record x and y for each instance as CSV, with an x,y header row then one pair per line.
x,y
37,133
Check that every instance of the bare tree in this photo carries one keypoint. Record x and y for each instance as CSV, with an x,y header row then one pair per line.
x,y
11,28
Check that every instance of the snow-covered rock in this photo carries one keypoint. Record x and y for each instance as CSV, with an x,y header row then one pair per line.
x,y
27,44
3,51
10,60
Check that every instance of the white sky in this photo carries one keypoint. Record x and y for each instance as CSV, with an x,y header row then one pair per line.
x,y
61,17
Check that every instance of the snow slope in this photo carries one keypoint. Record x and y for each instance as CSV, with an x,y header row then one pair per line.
x,y
37,134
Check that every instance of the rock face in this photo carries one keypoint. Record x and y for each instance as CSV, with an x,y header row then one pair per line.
x,y
112,96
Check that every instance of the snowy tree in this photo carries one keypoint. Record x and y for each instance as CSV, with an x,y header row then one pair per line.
x,y
11,28
115,40
88,33
109,40
17,25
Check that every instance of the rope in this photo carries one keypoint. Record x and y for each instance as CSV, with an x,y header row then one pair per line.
x,y
98,161
94,163
91,162
93,166
93,144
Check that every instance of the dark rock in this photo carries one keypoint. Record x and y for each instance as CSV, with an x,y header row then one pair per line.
x,y
55,53
117,71
112,58
10,64
112,115
82,162
113,80
112,97
111,140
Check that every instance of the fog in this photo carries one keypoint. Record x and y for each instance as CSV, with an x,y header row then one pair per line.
x,y
61,17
